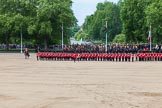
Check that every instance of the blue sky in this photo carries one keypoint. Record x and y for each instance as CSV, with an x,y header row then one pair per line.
x,y
82,8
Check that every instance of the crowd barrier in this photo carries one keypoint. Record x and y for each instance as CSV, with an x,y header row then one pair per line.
x,y
121,57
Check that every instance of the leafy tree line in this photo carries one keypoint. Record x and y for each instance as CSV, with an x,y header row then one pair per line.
x,y
39,21
128,19
137,16
94,25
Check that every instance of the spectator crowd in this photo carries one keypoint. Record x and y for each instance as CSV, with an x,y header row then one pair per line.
x,y
111,48
93,48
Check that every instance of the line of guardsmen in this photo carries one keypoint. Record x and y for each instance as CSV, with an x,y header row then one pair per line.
x,y
124,57
149,57
85,56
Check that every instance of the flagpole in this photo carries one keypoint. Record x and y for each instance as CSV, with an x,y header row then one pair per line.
x,y
150,39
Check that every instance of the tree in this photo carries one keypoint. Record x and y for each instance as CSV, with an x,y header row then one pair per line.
x,y
95,23
154,18
80,35
50,16
120,38
39,20
134,20
14,17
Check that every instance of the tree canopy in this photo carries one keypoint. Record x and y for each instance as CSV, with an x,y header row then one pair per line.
x,y
129,17
94,24
137,16
39,20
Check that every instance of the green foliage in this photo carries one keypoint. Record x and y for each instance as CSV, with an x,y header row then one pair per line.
x,y
133,17
133,20
137,16
95,23
80,35
74,30
120,38
154,18
50,17
39,20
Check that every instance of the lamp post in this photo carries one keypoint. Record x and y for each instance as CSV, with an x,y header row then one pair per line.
x,y
150,38
106,38
21,40
62,35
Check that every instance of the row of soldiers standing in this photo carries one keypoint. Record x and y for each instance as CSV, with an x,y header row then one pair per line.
x,y
124,57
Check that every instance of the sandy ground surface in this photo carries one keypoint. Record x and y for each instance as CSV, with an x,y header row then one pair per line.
x,y
28,83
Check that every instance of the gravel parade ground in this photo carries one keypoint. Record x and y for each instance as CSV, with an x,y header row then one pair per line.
x,y
28,83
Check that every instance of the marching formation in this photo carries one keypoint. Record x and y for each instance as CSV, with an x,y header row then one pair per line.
x,y
121,57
